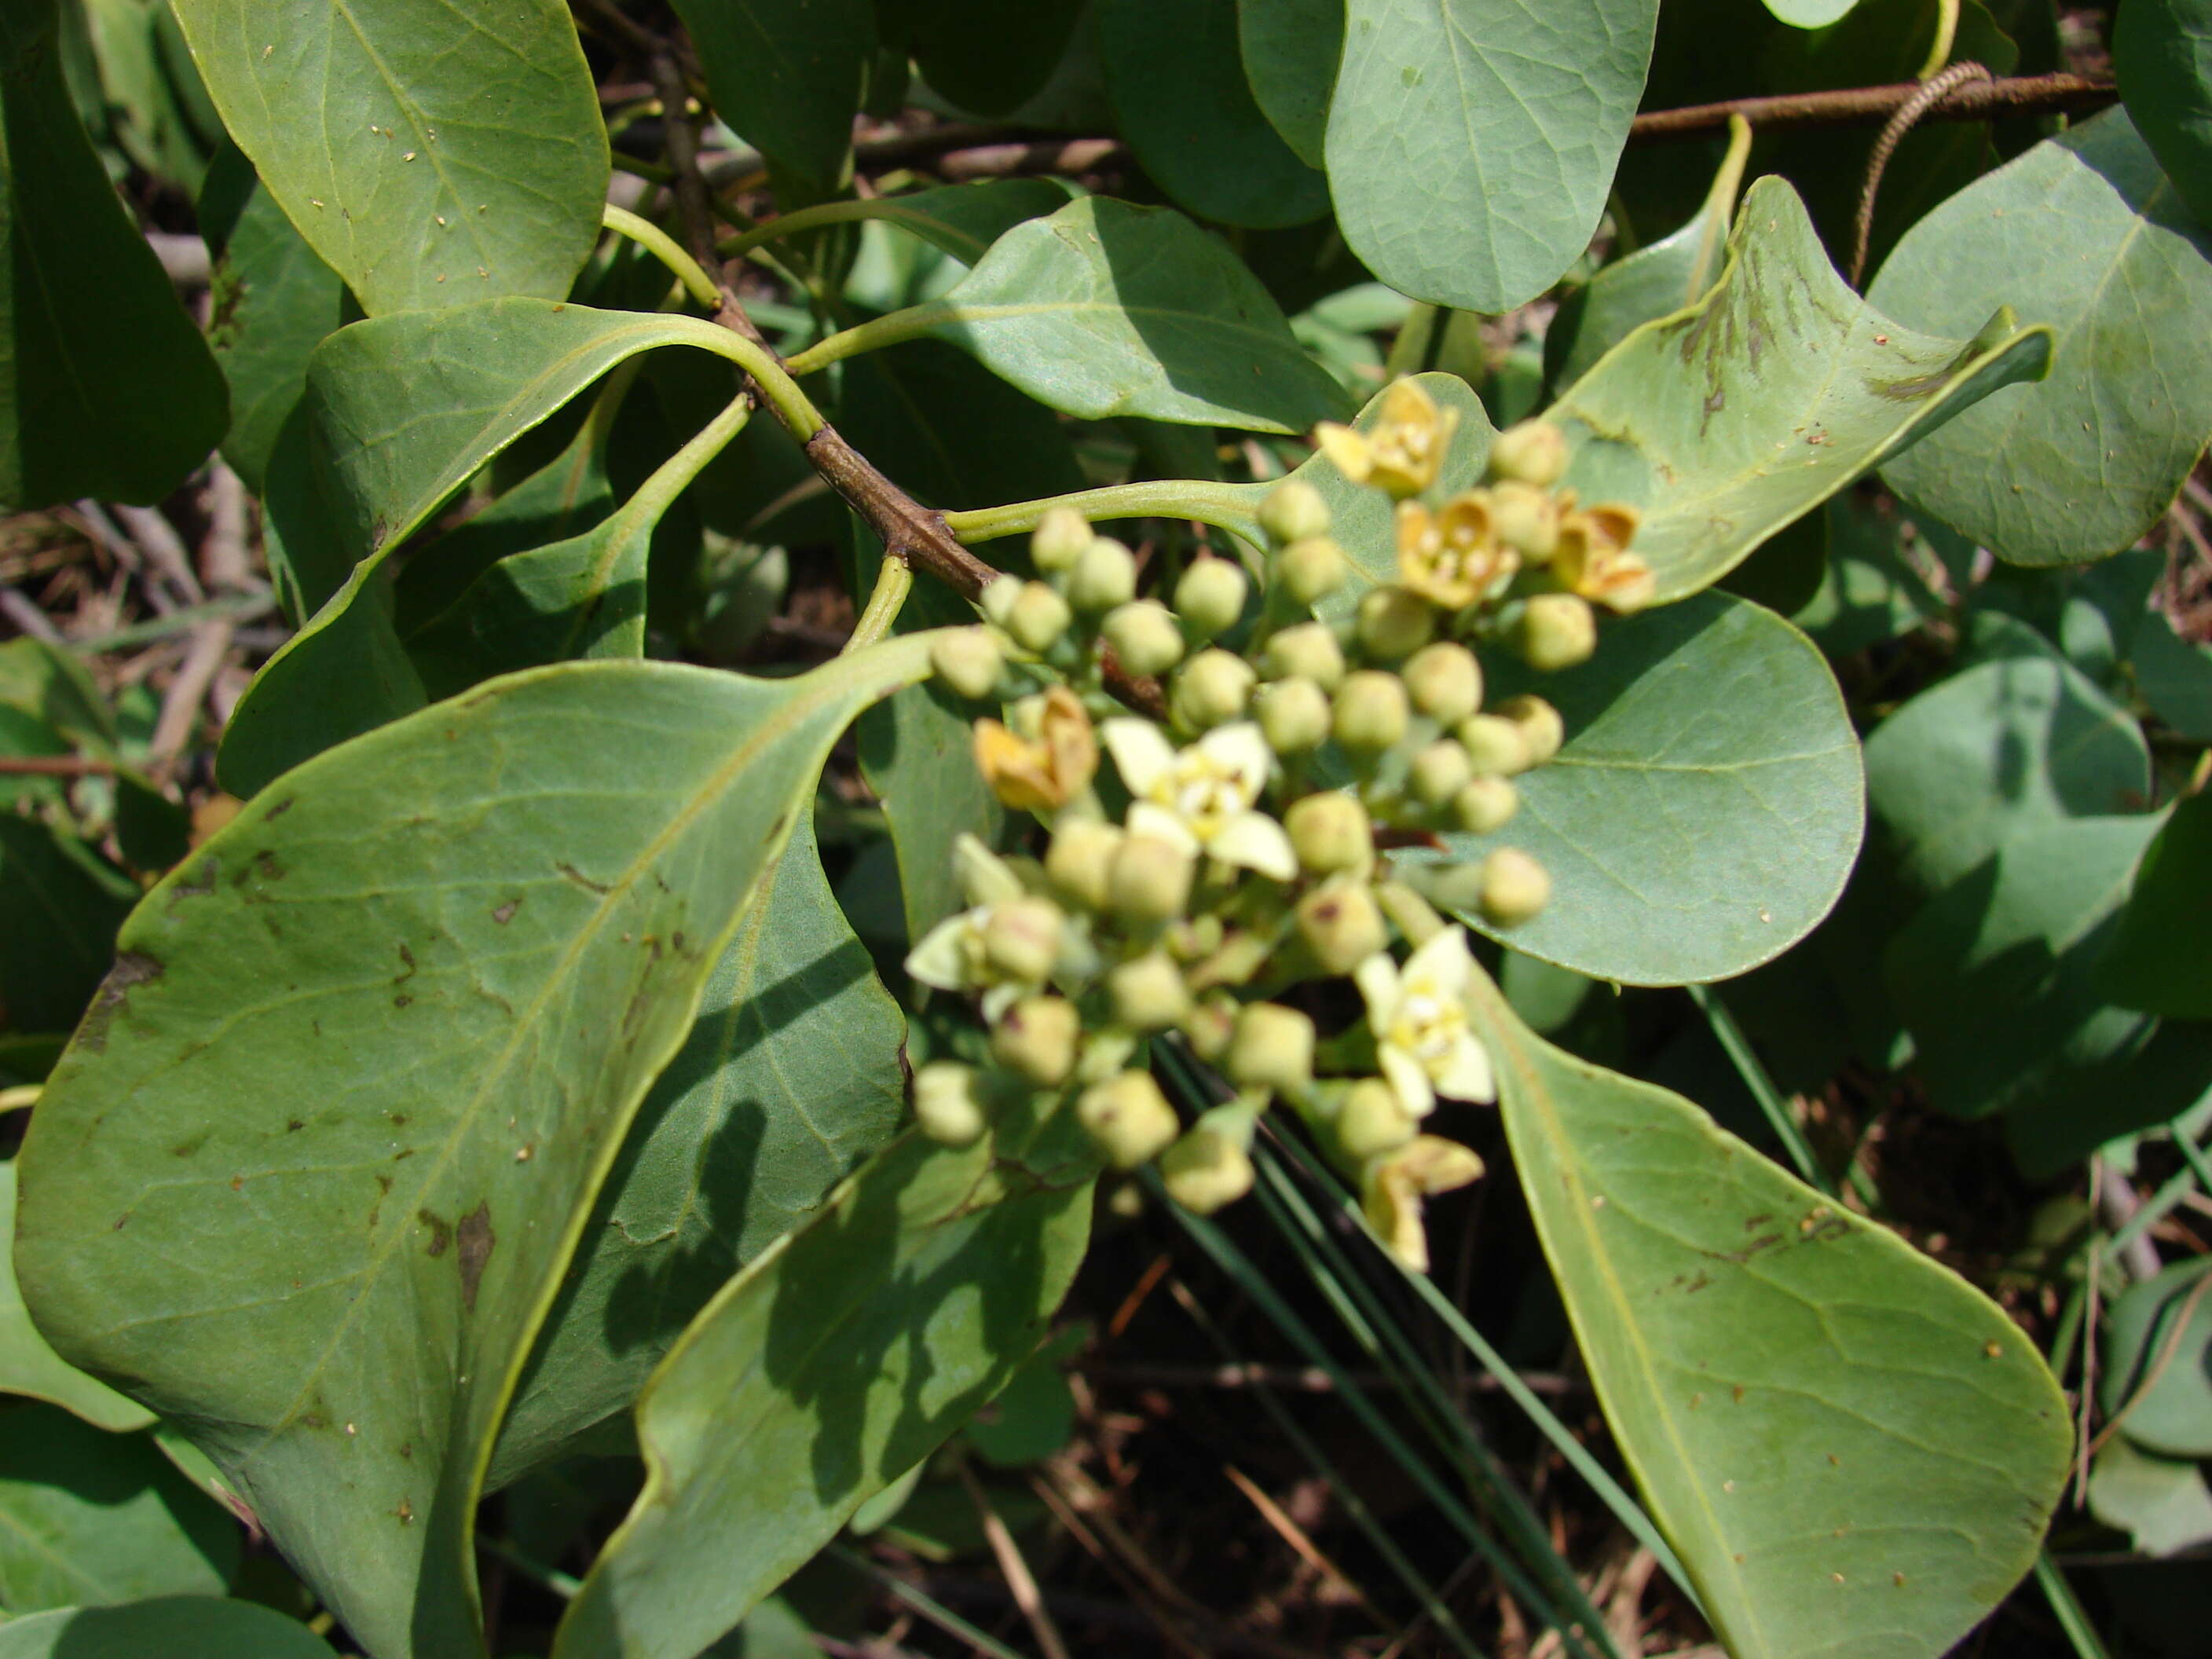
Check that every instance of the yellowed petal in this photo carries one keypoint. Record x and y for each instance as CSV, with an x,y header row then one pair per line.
x,y
1353,455
1255,841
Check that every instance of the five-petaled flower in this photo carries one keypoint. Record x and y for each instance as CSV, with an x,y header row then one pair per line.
x,y
1594,561
1396,1183
1005,944
1406,447
1451,557
1201,798
1048,762
1419,1015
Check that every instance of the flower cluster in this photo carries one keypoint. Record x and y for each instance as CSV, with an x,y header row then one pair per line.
x,y
1238,854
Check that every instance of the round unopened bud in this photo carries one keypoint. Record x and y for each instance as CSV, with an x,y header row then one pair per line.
x,y
1022,939
1370,713
1371,1121
1079,863
1525,519
1144,637
1309,649
1485,804
1293,511
1127,1119
1037,617
1293,716
1529,452
1209,598
1037,1037
1148,992
1105,575
1330,833
1541,728
996,601
1496,747
1273,1049
1312,570
1149,882
1211,690
947,1106
1445,681
1193,938
968,659
1205,1171
1514,887
1438,773
1210,1025
1395,623
1060,539
1341,926
1557,631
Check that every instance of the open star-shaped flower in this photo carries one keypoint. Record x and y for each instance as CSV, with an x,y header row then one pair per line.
x,y
1202,799
1419,1015
959,954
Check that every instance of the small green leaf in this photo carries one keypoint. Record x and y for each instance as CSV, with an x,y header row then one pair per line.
x,y
1725,422
1869,590
174,1627
1471,143
2084,233
2174,676
28,1363
60,904
1290,48
786,75
397,1017
2162,54
1852,1450
428,164
917,751
2158,1362
2150,962
988,56
1031,1418
830,1367
2162,1502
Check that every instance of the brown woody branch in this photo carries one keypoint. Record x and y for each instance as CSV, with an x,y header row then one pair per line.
x,y
1981,101
53,766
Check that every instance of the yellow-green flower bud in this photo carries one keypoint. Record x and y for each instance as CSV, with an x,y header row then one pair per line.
x,y
947,1106
1037,1037
1060,539
1037,617
1393,623
1105,575
1444,681
1370,713
1485,804
1312,570
968,659
996,601
1079,863
1293,511
1022,939
1294,716
1205,1171
1209,598
1149,882
1514,887
1309,649
1144,637
1557,631
1211,690
1273,1049
1529,452
1496,747
1127,1119
1341,926
1210,1026
1330,833
1148,993
1438,773
1193,938
1541,728
1525,519
1371,1121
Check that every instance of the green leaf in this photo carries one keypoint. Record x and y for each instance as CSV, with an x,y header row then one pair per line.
x,y
47,685
151,116
2023,740
428,164
175,1627
1868,591
397,1016
2162,54
105,387
1851,1450
1724,422
961,220
1705,811
2174,676
1810,14
826,1368
786,75
87,1518
2162,1502
60,904
1182,101
2084,233
790,1076
2150,962
1290,49
917,751
986,56
1031,1419
29,1364
1471,144
2158,1362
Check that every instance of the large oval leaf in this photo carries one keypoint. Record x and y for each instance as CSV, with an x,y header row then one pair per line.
x,y
787,74
29,1364
1852,1450
173,1626
431,159
2162,54
2083,233
1291,49
383,1036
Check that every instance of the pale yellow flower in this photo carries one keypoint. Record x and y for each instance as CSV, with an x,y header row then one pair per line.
x,y
1423,1041
1202,799
1452,557
1394,1184
1406,449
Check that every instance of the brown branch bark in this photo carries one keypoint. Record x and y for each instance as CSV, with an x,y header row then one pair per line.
x,y
53,766
2023,95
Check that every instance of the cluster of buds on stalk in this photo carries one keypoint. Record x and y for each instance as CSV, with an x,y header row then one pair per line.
x,y
1237,856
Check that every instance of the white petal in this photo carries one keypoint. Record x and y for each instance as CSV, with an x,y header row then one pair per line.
x,y
1404,1074
1465,1075
1442,966
999,998
985,876
1157,823
1257,843
1141,752
1377,980
1241,749
939,960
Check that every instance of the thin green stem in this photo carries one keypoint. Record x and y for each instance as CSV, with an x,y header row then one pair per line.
x,y
1217,504
1748,1066
663,247
928,1606
2193,1155
560,1583
889,329
1946,36
813,218
894,582
2072,1618
792,406
674,475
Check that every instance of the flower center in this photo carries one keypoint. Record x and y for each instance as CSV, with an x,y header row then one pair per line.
x,y
1206,794
1428,1027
